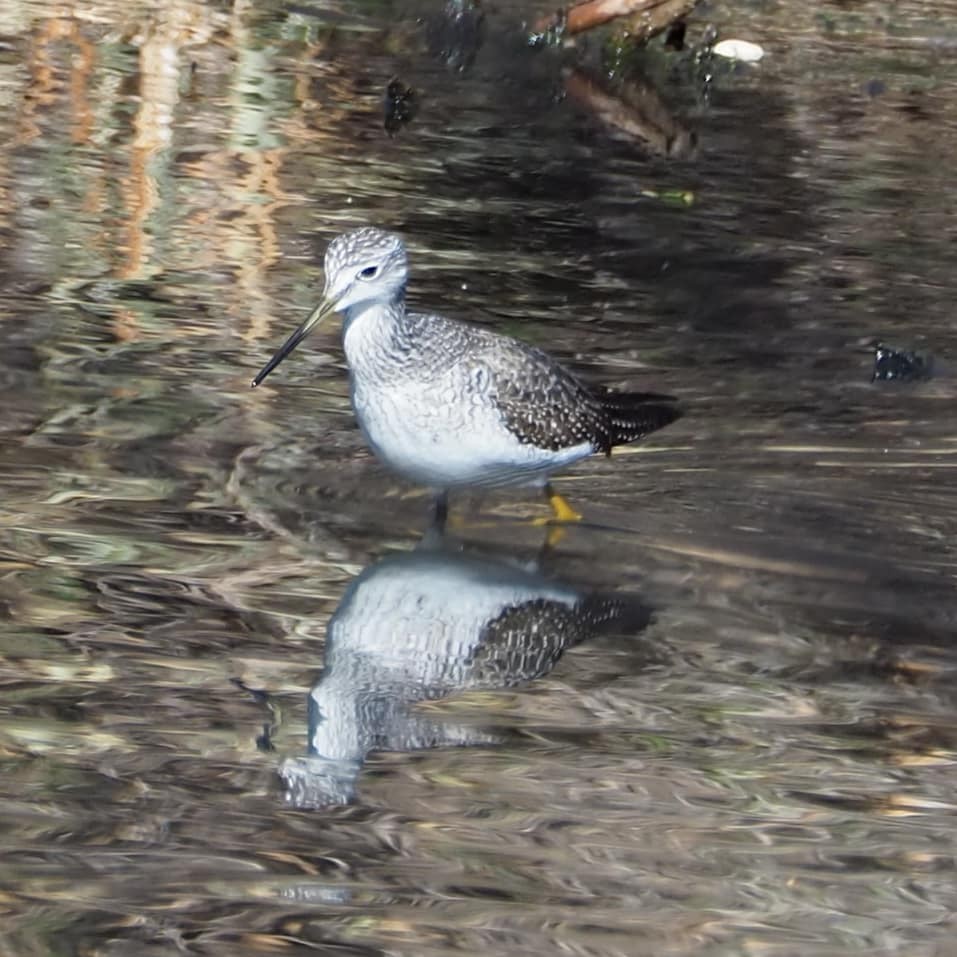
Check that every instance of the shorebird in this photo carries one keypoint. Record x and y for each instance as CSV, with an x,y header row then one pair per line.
x,y
449,405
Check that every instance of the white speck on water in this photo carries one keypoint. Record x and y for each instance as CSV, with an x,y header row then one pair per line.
x,y
742,50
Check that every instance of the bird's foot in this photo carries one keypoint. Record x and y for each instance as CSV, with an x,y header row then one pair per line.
x,y
561,510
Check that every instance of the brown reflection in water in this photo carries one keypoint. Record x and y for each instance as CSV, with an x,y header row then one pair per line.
x,y
70,74
160,66
637,110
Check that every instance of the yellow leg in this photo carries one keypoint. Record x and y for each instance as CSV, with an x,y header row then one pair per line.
x,y
561,510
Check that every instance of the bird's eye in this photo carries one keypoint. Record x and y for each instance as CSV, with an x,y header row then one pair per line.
x,y
370,272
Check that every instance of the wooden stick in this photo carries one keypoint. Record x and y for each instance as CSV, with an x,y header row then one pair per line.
x,y
653,16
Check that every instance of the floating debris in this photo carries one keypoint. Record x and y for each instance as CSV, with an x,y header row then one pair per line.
x,y
741,50
900,365
677,197
399,105
675,37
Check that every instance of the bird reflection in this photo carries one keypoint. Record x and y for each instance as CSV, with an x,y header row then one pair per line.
x,y
422,625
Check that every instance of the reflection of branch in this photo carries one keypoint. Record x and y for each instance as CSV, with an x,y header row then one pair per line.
x,y
637,111
651,16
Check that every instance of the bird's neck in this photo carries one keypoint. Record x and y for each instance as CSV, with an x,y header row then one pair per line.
x,y
369,330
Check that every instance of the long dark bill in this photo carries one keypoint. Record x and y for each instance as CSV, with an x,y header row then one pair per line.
x,y
315,317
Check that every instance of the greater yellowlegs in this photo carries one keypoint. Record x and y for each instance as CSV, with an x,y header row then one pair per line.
x,y
450,405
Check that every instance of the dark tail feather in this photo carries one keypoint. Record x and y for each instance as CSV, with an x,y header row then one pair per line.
x,y
615,614
634,414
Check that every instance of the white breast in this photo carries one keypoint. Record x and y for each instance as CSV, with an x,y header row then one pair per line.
x,y
436,438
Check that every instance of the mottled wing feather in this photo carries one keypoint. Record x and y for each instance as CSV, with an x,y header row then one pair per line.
x,y
546,406
541,403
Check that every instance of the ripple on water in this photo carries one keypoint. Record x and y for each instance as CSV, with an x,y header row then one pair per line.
x,y
765,766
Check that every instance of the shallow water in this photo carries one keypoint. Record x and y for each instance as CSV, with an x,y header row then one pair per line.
x,y
716,718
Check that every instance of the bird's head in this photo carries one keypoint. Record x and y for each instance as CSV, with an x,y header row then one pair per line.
x,y
365,266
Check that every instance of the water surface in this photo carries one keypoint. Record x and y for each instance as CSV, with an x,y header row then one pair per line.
x,y
717,718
